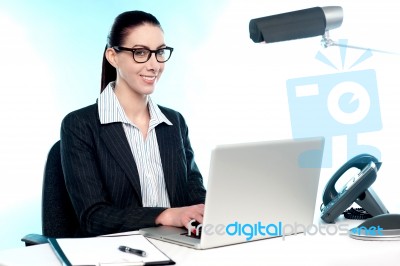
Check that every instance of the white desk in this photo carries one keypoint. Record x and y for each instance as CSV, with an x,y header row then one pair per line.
x,y
294,250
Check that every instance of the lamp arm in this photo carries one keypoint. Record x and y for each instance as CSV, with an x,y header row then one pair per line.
x,y
326,41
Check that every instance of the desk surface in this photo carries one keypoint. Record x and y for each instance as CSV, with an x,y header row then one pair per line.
x,y
296,249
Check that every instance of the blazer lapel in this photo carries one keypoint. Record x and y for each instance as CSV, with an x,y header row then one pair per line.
x,y
114,138
165,140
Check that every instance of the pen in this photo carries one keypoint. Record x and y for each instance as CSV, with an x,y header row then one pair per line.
x,y
138,252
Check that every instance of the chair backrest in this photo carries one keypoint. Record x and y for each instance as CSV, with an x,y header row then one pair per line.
x,y
58,215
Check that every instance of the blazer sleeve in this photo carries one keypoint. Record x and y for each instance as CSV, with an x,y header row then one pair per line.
x,y
103,205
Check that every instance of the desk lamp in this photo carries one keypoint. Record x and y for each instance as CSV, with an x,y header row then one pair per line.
x,y
305,23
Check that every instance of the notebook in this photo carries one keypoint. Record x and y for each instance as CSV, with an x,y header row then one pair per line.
x,y
255,191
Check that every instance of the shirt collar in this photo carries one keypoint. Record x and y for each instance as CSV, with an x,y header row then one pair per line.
x,y
110,110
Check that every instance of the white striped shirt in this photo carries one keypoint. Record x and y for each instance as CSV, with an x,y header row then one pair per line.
x,y
145,151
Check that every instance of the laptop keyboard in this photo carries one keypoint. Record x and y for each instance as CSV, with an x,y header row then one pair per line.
x,y
193,234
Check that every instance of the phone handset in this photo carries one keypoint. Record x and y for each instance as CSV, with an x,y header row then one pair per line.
x,y
357,190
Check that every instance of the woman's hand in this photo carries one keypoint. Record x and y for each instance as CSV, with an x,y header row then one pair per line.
x,y
182,216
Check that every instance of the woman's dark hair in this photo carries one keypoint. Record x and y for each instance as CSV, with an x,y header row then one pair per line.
x,y
121,26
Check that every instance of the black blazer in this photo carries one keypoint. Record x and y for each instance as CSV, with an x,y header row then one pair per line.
x,y
102,178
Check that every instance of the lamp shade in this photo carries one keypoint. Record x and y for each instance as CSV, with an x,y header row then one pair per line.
x,y
293,25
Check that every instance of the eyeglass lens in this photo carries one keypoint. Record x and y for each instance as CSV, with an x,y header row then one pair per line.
x,y
143,55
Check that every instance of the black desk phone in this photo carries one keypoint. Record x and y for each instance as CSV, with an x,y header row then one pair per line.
x,y
356,190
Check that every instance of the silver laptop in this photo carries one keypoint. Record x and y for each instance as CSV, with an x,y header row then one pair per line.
x,y
255,191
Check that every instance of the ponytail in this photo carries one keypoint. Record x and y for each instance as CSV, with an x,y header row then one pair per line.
x,y
108,72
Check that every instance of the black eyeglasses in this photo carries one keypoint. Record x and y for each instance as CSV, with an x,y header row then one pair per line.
x,y
142,55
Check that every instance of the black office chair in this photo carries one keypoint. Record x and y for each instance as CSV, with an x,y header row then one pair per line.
x,y
58,216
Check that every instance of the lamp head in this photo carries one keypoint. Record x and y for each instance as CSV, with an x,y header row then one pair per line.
x,y
293,25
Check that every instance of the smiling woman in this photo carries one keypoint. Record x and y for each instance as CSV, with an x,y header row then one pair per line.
x,y
128,162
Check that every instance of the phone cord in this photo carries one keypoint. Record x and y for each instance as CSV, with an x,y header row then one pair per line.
x,y
356,214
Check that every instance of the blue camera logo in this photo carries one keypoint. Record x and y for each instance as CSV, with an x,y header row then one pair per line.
x,y
345,103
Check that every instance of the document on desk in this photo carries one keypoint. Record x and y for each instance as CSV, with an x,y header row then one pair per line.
x,y
108,251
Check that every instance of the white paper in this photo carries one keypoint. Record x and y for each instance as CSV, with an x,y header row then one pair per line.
x,y
103,250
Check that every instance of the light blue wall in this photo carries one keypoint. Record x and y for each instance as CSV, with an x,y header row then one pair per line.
x,y
228,88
